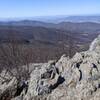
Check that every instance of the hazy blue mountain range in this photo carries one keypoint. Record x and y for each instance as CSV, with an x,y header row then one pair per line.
x,y
58,19
85,27
46,37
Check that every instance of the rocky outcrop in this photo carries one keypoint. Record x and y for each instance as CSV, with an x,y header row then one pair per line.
x,y
95,45
77,78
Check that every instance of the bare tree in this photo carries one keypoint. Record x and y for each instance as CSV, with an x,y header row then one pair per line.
x,y
12,58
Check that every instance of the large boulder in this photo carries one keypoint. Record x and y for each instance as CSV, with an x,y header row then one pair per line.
x,y
8,86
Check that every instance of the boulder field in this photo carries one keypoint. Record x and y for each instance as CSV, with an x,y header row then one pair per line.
x,y
76,78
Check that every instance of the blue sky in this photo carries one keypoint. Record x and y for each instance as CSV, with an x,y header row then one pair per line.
x,y
31,8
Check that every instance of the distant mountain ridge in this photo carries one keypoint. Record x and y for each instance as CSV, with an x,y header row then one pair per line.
x,y
58,19
57,38
84,27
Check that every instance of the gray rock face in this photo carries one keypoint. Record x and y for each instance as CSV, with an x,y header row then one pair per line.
x,y
77,78
95,45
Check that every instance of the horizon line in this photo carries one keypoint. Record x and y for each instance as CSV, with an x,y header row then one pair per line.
x,y
41,16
